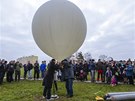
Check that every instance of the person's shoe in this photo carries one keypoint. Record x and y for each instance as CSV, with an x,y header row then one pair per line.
x,y
50,99
43,97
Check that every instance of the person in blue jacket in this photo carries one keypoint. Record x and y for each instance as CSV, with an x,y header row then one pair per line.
x,y
129,72
43,68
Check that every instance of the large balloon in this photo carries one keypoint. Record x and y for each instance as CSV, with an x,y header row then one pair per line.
x,y
59,28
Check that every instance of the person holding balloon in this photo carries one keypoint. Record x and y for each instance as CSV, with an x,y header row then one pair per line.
x,y
48,79
68,73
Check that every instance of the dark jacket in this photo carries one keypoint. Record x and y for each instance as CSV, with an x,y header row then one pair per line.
x,y
67,71
29,66
49,75
11,67
25,67
1,67
85,68
36,66
99,66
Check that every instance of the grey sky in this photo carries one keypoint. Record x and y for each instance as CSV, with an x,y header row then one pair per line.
x,y
110,24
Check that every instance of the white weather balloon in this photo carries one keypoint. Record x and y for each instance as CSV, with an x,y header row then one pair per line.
x,y
59,28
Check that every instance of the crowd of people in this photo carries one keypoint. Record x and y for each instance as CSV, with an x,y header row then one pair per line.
x,y
104,71
122,71
12,70
110,72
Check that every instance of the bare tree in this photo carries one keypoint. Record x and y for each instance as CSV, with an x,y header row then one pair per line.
x,y
109,58
103,57
87,56
80,56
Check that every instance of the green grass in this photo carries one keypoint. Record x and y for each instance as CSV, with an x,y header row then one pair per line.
x,y
32,91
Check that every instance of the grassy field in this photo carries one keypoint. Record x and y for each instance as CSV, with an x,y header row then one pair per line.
x,y
32,91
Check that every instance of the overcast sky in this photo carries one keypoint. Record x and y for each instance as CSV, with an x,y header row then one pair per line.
x,y
110,24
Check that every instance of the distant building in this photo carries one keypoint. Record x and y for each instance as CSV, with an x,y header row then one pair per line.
x,y
25,59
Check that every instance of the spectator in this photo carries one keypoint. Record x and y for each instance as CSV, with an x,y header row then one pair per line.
x,y
129,72
105,65
25,70
113,68
77,71
17,71
124,77
43,68
108,75
134,68
29,66
92,69
82,75
1,71
3,67
85,69
99,67
113,81
36,70
10,71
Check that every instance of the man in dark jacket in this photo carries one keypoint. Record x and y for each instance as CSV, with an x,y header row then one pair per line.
x,y
1,72
85,69
68,73
25,70
29,66
36,70
92,69
48,79
10,71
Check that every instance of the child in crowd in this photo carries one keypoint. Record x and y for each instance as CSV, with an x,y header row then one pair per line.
x,y
113,81
82,75
108,75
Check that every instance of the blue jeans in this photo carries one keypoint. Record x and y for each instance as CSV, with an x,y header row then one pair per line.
x,y
29,74
92,74
69,87
42,74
